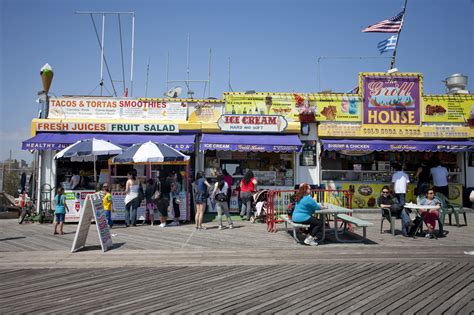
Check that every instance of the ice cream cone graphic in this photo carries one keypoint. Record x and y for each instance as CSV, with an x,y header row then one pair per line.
x,y
47,74
268,103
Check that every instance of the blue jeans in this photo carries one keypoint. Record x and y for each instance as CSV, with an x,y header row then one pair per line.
x,y
405,217
131,212
401,199
246,204
108,216
223,208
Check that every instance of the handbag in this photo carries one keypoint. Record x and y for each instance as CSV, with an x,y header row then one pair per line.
x,y
156,195
221,197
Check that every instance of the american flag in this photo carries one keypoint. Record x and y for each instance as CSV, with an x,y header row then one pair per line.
x,y
391,25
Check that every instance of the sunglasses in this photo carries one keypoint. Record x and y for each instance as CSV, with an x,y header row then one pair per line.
x,y
385,192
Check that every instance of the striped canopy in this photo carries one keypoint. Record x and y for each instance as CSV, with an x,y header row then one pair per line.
x,y
150,152
88,149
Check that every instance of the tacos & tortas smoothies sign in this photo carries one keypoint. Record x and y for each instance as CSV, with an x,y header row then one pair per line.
x,y
391,99
104,108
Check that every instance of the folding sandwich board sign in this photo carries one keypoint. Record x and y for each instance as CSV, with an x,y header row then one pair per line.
x,y
92,209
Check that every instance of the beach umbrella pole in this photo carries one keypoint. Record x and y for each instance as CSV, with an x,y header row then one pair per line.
x,y
95,175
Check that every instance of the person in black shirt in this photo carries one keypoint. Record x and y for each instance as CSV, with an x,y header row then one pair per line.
x,y
423,178
386,200
164,201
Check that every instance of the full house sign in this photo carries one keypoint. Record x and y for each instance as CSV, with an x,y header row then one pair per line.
x,y
391,99
252,123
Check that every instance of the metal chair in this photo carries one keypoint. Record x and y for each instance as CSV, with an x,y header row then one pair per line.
x,y
450,208
387,215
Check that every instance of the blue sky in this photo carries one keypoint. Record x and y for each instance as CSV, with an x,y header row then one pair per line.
x,y
273,46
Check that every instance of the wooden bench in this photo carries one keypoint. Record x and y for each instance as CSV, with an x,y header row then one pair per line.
x,y
357,222
294,226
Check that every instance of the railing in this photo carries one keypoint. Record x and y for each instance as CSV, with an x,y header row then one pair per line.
x,y
279,200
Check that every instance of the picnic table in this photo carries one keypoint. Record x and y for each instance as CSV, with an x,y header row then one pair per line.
x,y
340,214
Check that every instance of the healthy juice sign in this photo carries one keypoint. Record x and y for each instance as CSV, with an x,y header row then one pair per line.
x,y
391,99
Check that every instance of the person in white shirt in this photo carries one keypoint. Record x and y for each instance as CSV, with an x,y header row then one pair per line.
x,y
219,195
440,177
75,180
400,182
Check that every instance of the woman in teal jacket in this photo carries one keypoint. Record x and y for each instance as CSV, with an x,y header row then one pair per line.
x,y
303,213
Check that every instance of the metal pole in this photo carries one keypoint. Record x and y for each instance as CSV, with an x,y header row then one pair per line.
x,y
228,73
167,71
102,56
209,93
147,72
38,185
392,63
187,57
133,49
319,74
46,106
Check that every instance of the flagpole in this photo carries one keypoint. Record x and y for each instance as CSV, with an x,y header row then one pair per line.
x,y
392,63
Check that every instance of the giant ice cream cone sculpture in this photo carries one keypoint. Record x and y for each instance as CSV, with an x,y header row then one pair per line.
x,y
46,77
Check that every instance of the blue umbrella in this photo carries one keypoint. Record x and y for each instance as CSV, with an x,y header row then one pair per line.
x,y
85,150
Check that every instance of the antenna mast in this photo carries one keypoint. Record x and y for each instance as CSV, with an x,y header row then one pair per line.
x,y
188,80
147,73
102,48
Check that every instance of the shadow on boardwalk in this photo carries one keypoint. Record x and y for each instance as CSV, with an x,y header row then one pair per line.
x,y
246,270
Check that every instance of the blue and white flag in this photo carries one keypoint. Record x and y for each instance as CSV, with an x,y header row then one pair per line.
x,y
388,44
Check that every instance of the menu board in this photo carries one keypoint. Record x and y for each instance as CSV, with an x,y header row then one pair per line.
x,y
308,154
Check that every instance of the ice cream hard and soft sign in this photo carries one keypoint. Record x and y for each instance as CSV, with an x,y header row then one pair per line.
x,y
252,123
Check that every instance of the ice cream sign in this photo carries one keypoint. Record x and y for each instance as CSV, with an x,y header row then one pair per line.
x,y
391,99
252,123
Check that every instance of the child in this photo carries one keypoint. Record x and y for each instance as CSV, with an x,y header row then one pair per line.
x,y
60,210
108,205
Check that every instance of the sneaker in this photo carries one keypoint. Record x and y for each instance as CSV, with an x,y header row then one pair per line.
x,y
231,226
220,227
252,219
162,225
173,223
308,240
428,235
313,243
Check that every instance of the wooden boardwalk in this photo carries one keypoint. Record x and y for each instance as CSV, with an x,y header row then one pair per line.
x,y
247,270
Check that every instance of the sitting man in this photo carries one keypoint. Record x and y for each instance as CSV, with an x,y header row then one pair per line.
x,y
386,200
430,215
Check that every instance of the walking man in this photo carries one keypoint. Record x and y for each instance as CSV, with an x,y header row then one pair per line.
x,y
400,182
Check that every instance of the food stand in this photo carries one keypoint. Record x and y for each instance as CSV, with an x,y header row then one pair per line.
x,y
151,167
392,124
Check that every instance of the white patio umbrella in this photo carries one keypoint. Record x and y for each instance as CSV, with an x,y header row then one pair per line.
x,y
88,150
149,152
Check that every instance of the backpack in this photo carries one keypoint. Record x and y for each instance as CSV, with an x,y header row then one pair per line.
x,y
417,225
